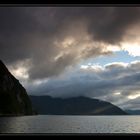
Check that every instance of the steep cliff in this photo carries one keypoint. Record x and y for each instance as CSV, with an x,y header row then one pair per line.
x,y
13,96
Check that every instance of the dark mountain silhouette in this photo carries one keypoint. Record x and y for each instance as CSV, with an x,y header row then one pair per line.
x,y
74,106
13,97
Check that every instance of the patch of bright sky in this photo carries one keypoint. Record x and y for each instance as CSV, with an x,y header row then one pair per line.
x,y
134,96
119,56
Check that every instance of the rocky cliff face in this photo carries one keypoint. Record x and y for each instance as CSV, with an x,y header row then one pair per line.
x,y
13,97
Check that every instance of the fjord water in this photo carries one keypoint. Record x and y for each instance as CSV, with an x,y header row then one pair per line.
x,y
70,124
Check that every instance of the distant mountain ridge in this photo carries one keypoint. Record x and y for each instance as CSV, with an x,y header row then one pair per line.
x,y
15,101
133,112
74,106
13,96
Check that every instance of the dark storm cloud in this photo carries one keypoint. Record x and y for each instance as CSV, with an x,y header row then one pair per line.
x,y
113,24
39,34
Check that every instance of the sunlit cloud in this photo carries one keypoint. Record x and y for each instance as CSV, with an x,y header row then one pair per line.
x,y
20,73
113,48
122,64
117,93
20,69
132,48
92,67
84,66
134,96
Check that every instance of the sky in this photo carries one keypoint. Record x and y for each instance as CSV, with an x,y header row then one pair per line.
x,y
74,51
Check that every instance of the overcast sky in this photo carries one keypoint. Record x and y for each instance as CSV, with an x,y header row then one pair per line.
x,y
74,51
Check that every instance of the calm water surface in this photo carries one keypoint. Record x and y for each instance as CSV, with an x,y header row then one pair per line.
x,y
70,124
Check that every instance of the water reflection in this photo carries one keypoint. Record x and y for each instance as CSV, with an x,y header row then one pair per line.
x,y
70,124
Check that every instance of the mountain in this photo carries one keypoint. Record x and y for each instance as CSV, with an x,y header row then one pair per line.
x,y
74,106
13,96
133,112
